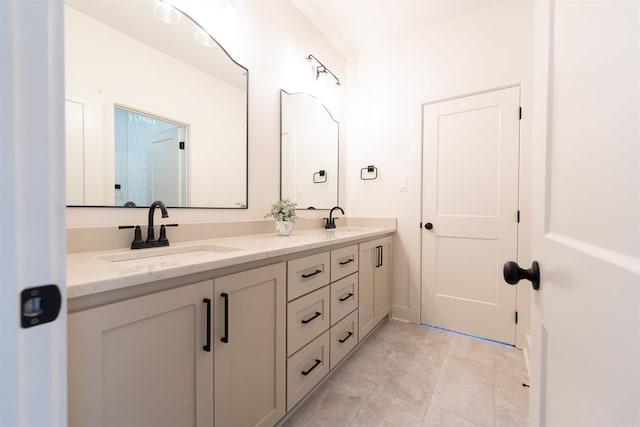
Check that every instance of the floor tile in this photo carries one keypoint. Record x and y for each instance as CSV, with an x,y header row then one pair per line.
x,y
409,375
437,417
465,388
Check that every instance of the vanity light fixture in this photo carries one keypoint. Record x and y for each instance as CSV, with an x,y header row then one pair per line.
x,y
165,12
321,71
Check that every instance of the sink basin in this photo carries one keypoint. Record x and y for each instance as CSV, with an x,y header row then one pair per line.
x,y
166,255
343,231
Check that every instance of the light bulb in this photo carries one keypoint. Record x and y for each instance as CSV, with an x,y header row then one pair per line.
x,y
203,37
165,12
323,77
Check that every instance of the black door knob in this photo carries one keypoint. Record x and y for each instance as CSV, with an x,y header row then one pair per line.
x,y
513,274
428,226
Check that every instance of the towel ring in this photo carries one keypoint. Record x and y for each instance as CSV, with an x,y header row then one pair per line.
x,y
369,169
317,176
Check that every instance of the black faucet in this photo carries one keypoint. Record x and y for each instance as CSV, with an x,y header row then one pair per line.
x,y
150,233
331,221
151,241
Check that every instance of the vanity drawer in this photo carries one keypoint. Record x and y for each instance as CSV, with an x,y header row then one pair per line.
x,y
307,317
344,297
306,368
344,261
344,337
307,274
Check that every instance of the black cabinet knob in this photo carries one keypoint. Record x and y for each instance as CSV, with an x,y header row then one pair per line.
x,y
428,226
513,274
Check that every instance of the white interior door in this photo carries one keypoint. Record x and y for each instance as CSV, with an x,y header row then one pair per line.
x,y
470,198
166,164
33,362
585,347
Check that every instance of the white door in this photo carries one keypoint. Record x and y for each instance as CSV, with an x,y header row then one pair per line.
x,y
585,347
33,363
470,210
166,167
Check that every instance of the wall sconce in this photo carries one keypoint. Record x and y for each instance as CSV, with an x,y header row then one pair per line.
x,y
322,73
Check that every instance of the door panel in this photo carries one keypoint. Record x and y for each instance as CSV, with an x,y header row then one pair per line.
x,y
468,151
166,168
470,195
585,329
451,280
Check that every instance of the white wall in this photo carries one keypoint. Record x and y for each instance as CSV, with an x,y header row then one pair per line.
x,y
488,48
271,39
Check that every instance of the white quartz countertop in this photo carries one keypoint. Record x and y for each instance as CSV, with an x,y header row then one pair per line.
x,y
94,272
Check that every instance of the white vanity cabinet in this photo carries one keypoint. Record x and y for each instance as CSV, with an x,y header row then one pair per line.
x,y
374,284
249,347
241,347
321,317
142,361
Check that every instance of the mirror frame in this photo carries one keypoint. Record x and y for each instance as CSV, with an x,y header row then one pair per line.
x,y
246,71
337,202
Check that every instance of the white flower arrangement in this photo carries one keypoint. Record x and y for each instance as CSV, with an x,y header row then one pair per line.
x,y
283,210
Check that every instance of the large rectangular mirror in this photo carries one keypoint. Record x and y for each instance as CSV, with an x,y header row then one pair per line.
x,y
155,109
309,152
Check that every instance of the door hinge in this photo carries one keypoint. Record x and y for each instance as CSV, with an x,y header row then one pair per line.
x,y
520,114
518,216
516,317
182,145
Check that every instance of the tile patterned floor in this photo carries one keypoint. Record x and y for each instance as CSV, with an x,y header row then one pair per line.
x,y
408,375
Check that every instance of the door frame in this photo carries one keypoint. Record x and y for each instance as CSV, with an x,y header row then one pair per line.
x,y
523,293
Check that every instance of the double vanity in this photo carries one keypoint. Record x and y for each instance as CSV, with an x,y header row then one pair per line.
x,y
230,325
228,331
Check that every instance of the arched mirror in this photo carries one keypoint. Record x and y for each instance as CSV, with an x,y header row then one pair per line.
x,y
155,109
309,152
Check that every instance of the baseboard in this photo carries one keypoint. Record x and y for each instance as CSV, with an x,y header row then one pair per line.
x,y
527,355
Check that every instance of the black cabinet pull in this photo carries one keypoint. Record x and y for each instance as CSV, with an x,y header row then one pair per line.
x,y
306,276
379,256
225,338
315,365
311,318
207,346
349,295
347,337
346,262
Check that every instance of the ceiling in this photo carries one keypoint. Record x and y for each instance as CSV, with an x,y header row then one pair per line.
x,y
355,26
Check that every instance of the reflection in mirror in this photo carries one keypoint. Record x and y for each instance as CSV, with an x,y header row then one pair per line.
x,y
150,159
309,152
154,111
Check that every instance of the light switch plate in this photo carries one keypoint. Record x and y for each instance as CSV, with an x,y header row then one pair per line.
x,y
404,184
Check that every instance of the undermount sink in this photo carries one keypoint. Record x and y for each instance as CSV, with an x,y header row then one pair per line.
x,y
167,255
342,231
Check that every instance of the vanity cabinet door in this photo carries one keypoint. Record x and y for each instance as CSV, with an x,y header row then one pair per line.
x,y
374,284
141,362
249,347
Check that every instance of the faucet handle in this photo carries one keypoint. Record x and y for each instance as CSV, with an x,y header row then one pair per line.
x,y
163,235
